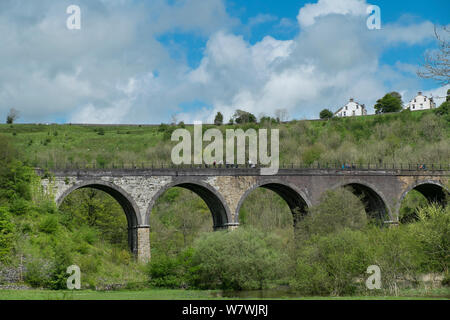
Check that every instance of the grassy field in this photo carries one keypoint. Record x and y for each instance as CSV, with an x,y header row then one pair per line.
x,y
164,294
406,137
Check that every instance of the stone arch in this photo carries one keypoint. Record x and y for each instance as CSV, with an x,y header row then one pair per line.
x,y
127,203
220,211
296,200
432,190
374,201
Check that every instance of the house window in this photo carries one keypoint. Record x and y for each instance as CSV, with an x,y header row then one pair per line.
x,y
344,114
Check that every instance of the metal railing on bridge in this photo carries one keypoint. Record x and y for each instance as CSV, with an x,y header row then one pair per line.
x,y
98,165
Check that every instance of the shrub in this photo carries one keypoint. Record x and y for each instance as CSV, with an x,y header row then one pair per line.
x,y
446,280
398,254
101,161
170,271
238,260
47,207
63,259
38,272
444,109
6,233
121,256
15,179
338,209
84,237
49,224
333,264
432,232
19,206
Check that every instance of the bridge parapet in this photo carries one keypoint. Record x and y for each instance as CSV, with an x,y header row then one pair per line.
x,y
236,172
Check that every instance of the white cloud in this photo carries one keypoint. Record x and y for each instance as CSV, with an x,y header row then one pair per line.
x,y
115,71
410,34
308,14
261,19
335,58
47,71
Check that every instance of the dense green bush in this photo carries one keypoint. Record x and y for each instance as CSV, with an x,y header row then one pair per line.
x,y
15,181
19,206
444,110
433,234
49,224
398,254
6,234
63,258
38,272
335,263
238,260
330,264
170,271
338,209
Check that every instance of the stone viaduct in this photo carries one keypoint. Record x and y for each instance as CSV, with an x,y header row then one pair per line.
x,y
224,190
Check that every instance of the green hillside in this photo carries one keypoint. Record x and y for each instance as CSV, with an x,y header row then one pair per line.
x,y
406,137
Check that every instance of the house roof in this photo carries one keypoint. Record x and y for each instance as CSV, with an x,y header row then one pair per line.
x,y
357,103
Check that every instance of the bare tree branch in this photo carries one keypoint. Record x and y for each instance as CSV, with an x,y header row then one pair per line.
x,y
437,63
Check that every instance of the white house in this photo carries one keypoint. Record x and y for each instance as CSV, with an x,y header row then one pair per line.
x,y
352,108
421,102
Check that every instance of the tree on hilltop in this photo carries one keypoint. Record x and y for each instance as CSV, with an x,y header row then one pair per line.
x,y
326,114
12,116
218,120
391,102
241,117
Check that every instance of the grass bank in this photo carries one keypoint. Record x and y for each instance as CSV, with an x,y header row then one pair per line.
x,y
405,137
178,294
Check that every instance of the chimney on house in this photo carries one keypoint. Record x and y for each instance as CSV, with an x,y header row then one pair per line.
x,y
351,99
419,93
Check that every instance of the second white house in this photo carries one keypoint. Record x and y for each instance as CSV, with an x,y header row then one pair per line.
x,y
352,108
421,102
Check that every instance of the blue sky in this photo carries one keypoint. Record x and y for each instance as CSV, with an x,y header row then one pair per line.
x,y
151,61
